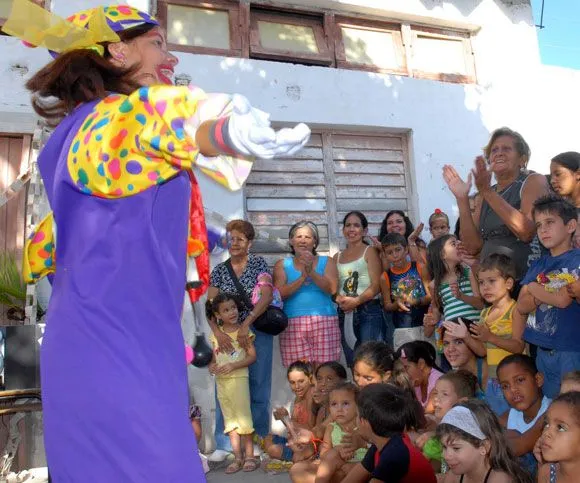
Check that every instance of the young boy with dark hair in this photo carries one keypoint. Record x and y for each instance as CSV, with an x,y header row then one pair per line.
x,y
405,289
555,327
392,456
521,384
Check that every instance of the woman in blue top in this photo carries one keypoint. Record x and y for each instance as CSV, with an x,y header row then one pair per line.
x,y
306,282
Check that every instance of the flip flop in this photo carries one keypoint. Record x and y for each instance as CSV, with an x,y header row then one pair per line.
x,y
234,467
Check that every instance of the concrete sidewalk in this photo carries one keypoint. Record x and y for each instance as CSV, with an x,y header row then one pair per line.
x,y
217,475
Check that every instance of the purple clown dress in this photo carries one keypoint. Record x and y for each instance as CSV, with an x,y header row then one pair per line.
x,y
114,380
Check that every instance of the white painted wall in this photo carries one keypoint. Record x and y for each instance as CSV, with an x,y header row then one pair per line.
x,y
448,123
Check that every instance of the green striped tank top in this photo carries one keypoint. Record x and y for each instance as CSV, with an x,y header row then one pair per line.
x,y
453,307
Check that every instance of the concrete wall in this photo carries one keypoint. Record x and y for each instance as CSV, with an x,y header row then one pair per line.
x,y
448,123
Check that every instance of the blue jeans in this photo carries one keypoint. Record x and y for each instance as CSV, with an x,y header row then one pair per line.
x,y
554,364
368,324
260,388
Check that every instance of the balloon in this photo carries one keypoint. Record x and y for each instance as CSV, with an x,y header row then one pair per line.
x,y
202,352
189,354
216,239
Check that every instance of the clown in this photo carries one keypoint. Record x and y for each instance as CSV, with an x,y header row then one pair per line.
x,y
118,176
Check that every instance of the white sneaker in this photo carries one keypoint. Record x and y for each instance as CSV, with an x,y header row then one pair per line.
x,y
218,456
204,463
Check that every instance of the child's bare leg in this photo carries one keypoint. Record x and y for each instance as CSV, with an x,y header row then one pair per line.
x,y
196,425
330,462
342,472
303,472
235,441
248,445
275,451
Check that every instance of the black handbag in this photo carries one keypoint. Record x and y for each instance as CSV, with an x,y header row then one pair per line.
x,y
273,321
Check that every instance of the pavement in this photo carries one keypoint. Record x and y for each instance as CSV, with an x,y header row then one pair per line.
x,y
217,475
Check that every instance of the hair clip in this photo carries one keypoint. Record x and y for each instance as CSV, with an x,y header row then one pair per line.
x,y
438,211
403,355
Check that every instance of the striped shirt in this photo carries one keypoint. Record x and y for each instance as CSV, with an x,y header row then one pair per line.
x,y
453,307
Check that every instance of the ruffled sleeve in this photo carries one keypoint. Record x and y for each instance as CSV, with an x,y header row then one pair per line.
x,y
39,249
130,143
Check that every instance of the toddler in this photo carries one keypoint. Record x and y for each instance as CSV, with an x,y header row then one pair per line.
x,y
232,384
496,276
337,459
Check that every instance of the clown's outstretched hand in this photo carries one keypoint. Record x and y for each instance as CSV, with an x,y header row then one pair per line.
x,y
242,130
250,132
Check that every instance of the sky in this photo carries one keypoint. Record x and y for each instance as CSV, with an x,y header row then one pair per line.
x,y
560,37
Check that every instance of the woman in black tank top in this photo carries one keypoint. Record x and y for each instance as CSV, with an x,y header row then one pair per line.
x,y
502,221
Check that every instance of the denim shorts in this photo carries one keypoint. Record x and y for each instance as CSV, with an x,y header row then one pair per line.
x,y
287,453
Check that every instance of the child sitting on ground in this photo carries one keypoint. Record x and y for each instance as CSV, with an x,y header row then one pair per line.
x,y
418,359
383,411
450,389
336,460
373,363
496,276
521,384
328,375
300,379
475,448
554,329
559,446
232,384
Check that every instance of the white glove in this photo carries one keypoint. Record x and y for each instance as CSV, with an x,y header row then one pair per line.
x,y
250,132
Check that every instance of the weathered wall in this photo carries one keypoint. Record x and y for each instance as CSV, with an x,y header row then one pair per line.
x,y
448,123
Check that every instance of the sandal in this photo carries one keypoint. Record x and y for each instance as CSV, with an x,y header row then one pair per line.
x,y
251,464
234,467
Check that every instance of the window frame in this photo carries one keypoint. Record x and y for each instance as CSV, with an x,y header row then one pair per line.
x,y
233,10
244,16
299,18
445,34
390,27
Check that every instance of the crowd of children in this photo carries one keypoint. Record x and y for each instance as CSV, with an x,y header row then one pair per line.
x,y
453,396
